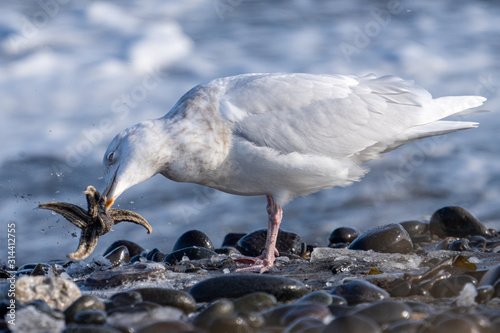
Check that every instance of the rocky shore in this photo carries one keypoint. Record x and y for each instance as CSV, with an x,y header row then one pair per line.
x,y
441,275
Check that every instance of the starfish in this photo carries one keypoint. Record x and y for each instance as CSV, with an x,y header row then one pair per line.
x,y
94,222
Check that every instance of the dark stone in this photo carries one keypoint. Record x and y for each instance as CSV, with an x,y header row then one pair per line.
x,y
311,310
232,239
80,328
158,256
451,286
343,235
386,311
118,256
352,324
254,319
454,325
318,296
459,245
306,325
193,253
133,248
254,302
218,309
491,277
228,251
96,317
390,238
136,308
123,299
169,297
456,222
230,324
85,302
167,326
415,228
401,289
128,273
253,243
406,327
237,285
193,238
150,254
360,291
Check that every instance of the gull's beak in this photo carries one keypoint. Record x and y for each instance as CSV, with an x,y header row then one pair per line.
x,y
109,195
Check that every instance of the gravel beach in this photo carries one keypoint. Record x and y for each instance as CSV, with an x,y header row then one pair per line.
x,y
441,275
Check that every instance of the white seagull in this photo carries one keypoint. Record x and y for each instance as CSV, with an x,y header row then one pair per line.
x,y
278,135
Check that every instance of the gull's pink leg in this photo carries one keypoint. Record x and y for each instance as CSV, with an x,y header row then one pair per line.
x,y
275,213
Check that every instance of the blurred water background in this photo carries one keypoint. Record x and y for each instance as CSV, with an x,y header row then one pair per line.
x,y
74,73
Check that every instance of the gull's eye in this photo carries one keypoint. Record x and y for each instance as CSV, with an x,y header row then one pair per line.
x,y
110,157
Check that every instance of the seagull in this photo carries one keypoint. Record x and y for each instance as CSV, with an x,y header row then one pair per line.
x,y
278,135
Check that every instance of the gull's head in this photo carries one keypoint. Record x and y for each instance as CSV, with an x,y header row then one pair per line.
x,y
132,157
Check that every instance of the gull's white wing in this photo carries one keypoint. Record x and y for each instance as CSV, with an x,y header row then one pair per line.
x,y
336,116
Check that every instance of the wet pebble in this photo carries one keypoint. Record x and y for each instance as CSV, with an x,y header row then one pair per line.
x,y
55,291
218,309
123,299
133,248
343,235
237,285
253,243
168,297
352,324
123,274
79,328
306,325
455,221
96,317
386,311
193,253
118,256
193,238
484,294
459,245
451,286
254,302
454,325
415,228
311,310
230,324
319,296
85,302
360,291
167,326
232,239
401,289
491,277
390,238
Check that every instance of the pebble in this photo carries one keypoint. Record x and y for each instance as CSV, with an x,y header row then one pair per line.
x,y
319,296
96,317
459,245
451,286
415,228
193,253
55,291
352,324
491,277
386,311
168,297
311,310
118,256
231,239
254,302
237,285
343,235
360,291
389,238
167,326
455,221
123,274
78,328
230,324
218,309
454,325
253,243
306,325
193,238
133,248
83,303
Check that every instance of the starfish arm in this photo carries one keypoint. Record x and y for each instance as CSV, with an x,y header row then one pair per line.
x,y
88,242
93,197
76,215
120,215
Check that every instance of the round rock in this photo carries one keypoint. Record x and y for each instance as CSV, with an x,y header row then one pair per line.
x,y
55,291
360,291
168,297
343,235
84,303
129,273
390,238
193,238
232,238
253,243
455,221
352,324
133,248
193,253
386,311
237,285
